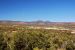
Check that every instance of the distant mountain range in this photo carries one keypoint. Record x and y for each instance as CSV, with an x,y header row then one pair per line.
x,y
33,22
41,23
69,25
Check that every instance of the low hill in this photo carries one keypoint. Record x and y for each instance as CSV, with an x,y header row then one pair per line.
x,y
70,25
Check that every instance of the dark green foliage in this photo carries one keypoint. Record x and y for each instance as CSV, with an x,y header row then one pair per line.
x,y
3,44
21,38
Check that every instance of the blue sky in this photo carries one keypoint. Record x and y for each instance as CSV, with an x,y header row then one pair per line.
x,y
32,10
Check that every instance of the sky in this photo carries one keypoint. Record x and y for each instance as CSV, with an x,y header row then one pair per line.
x,y
33,10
